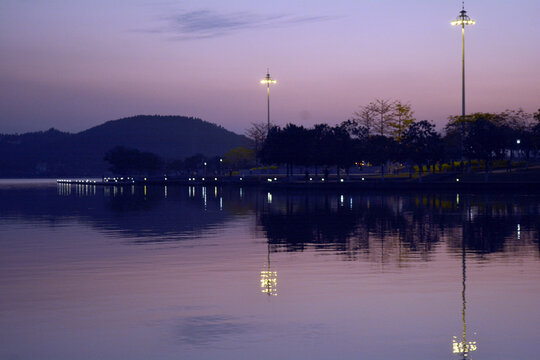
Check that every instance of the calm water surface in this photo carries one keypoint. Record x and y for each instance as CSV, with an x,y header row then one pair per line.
x,y
241,273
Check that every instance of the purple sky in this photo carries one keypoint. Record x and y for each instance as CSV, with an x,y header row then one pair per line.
x,y
75,64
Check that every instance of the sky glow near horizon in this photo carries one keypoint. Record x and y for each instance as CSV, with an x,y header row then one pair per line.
x,y
74,65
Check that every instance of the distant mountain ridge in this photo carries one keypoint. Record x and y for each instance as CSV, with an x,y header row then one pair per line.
x,y
56,153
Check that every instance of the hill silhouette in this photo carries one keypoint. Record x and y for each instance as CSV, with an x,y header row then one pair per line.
x,y
56,153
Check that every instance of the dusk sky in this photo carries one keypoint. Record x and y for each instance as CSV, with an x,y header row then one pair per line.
x,y
76,64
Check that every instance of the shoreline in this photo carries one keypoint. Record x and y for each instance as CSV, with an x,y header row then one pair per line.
x,y
342,184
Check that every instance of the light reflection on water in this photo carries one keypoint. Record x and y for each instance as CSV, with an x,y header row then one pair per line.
x,y
171,272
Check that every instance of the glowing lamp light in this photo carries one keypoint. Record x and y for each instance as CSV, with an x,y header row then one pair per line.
x,y
268,80
269,283
463,22
463,347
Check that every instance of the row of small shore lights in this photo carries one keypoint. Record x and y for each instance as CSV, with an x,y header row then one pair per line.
x,y
204,179
133,180
269,179
69,181
108,179
311,179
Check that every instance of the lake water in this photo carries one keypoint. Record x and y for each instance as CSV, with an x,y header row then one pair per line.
x,y
243,273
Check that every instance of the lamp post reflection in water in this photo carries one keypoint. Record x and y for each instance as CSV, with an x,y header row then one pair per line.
x,y
463,347
269,278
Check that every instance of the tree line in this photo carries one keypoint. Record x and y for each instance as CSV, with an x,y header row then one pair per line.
x,y
385,131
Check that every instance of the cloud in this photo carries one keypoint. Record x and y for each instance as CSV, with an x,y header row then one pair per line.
x,y
205,24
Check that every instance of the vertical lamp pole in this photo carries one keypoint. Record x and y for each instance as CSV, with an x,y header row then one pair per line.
x,y
268,80
462,20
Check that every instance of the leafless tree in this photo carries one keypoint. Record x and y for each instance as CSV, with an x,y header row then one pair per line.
x,y
365,118
257,132
383,110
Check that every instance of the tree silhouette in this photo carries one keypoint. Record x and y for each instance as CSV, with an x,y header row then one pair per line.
x,y
380,150
125,161
484,139
421,144
239,158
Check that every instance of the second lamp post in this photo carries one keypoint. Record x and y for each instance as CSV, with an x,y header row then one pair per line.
x,y
267,81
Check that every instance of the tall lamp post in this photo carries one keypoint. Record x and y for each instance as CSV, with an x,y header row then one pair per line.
x,y
463,20
268,80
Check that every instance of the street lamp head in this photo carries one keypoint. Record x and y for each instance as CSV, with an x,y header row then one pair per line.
x,y
463,19
518,141
268,80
